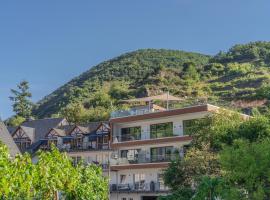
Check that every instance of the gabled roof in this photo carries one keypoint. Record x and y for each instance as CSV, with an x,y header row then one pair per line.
x,y
30,132
6,138
42,126
85,129
59,132
88,128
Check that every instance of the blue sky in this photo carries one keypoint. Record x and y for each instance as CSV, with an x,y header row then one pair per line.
x,y
49,42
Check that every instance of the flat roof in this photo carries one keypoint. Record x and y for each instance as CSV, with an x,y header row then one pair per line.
x,y
166,113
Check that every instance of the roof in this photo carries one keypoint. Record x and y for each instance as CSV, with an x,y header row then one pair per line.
x,y
60,132
6,138
29,131
166,113
85,128
42,126
12,129
90,127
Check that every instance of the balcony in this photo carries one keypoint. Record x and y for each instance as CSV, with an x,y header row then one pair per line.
x,y
139,187
142,158
127,137
85,146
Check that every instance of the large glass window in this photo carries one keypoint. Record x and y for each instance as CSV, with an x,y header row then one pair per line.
x,y
139,181
132,155
161,130
187,126
131,133
160,154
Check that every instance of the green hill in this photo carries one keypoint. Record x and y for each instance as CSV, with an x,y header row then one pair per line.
x,y
241,73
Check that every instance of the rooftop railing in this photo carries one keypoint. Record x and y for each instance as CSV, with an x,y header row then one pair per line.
x,y
131,112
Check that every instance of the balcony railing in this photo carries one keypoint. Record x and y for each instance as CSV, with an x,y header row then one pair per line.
x,y
84,146
143,158
126,138
142,187
131,112
104,165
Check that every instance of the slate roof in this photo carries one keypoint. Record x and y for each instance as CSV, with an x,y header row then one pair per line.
x,y
12,129
6,138
85,128
42,126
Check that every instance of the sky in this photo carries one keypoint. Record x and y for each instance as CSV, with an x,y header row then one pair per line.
x,y
50,42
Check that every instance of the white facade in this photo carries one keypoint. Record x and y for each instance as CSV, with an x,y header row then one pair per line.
x,y
136,171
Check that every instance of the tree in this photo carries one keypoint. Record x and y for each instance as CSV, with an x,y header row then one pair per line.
x,y
15,120
246,167
215,130
190,72
90,184
213,188
187,172
53,173
74,112
22,105
183,193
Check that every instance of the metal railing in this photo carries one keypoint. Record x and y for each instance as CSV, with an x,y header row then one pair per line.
x,y
139,186
127,137
84,146
143,158
131,112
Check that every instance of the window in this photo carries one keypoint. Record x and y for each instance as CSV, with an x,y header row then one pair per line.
x,y
93,144
124,198
132,155
161,130
122,179
131,133
124,153
105,139
160,154
187,126
139,181
52,141
77,142
23,143
160,181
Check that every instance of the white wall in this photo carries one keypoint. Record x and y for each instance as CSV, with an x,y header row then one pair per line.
x,y
145,124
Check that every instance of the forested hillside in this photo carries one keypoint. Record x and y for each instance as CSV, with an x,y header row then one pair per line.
x,y
237,78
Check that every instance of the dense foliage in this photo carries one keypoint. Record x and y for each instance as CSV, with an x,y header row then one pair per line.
x,y
228,159
21,103
239,78
53,175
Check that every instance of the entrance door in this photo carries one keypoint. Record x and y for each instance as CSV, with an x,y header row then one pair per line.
x,y
149,198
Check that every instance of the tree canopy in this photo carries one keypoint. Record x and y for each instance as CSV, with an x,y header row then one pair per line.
x,y
228,159
53,174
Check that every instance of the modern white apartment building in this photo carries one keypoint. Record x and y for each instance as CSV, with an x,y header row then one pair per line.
x,y
143,144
